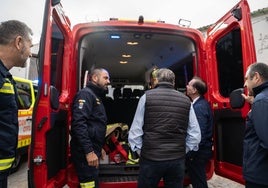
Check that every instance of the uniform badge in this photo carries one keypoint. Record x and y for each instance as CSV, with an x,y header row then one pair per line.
x,y
81,103
98,101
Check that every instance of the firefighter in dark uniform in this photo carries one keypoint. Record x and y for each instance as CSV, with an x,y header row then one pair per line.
x,y
15,49
88,128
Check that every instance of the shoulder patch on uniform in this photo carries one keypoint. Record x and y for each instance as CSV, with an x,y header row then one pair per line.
x,y
81,103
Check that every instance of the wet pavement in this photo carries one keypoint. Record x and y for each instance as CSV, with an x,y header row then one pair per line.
x,y
19,180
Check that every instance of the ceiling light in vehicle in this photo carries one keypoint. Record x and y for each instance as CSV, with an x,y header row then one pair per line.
x,y
114,36
126,55
148,36
137,35
123,62
132,43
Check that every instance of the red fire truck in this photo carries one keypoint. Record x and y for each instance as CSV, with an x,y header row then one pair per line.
x,y
130,50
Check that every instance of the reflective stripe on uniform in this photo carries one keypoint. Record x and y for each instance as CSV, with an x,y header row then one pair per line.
x,y
7,88
132,159
90,184
6,163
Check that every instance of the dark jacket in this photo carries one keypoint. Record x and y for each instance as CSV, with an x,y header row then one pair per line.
x,y
165,123
205,120
88,126
255,160
8,118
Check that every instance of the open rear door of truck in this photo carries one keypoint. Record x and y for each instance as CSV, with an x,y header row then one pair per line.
x,y
230,49
48,158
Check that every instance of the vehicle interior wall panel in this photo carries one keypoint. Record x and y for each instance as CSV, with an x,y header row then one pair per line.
x,y
229,130
56,142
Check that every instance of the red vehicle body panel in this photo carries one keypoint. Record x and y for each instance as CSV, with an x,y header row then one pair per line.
x,y
49,113
218,30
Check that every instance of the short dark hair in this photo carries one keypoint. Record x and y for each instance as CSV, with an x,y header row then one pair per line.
x,y
9,30
261,68
96,71
165,75
200,85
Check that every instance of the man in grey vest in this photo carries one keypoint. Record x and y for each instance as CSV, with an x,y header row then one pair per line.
x,y
164,127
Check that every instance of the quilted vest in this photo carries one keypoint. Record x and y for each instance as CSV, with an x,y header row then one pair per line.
x,y
165,123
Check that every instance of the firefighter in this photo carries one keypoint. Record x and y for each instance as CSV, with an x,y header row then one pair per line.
x,y
15,49
88,128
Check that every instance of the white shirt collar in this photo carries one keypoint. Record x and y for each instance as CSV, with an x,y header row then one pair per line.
x,y
196,99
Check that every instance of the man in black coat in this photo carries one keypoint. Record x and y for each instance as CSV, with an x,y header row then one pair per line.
x,y
88,128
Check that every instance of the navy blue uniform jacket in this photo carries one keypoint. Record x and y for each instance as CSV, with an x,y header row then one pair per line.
x,y
8,115
255,160
205,119
88,127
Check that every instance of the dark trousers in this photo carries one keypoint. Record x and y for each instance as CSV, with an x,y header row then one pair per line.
x,y
151,172
196,162
85,173
254,185
3,179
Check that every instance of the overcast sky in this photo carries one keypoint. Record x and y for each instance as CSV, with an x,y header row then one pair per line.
x,y
199,12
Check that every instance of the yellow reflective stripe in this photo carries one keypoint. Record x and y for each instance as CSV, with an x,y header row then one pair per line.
x,y
24,142
7,88
6,163
131,160
90,184
25,112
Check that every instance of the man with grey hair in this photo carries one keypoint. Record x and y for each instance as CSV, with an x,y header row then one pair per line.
x,y
15,49
164,127
255,158
15,43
